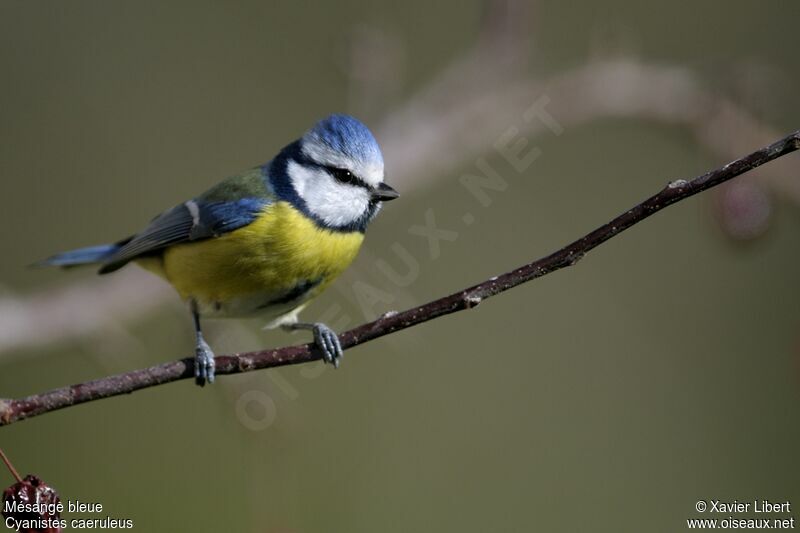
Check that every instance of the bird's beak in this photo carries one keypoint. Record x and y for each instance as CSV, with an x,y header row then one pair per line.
x,y
384,193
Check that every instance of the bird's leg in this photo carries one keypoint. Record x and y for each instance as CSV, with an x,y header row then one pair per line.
x,y
325,339
203,356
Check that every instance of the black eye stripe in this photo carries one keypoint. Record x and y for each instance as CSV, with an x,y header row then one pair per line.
x,y
343,175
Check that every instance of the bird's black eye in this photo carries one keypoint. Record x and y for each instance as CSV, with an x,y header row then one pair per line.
x,y
343,175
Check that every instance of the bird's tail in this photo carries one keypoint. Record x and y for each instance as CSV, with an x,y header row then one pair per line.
x,y
82,256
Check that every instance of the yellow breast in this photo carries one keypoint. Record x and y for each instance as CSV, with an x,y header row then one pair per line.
x,y
242,272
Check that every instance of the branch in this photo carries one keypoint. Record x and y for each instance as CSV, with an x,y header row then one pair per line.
x,y
10,467
457,117
15,410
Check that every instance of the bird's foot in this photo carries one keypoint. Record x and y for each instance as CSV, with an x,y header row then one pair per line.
x,y
203,364
328,342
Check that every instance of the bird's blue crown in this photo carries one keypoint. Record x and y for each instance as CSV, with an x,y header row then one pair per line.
x,y
349,136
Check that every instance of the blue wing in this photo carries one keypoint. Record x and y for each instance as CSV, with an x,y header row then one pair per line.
x,y
191,221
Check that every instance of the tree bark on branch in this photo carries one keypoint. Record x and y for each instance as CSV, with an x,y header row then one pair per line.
x,y
37,404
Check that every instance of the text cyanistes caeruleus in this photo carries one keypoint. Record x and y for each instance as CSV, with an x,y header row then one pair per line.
x,y
267,241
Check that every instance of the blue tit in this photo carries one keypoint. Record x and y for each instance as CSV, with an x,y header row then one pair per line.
x,y
265,242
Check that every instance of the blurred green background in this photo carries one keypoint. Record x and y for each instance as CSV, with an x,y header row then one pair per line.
x,y
662,369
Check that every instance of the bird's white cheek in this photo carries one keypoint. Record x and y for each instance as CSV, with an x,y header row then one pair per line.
x,y
335,204
301,177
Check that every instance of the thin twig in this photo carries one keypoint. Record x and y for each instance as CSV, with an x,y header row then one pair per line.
x,y
14,410
434,133
10,466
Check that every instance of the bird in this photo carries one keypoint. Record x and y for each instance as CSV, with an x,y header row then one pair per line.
x,y
264,242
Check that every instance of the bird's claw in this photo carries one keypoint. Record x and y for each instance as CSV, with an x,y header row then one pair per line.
x,y
328,342
203,364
